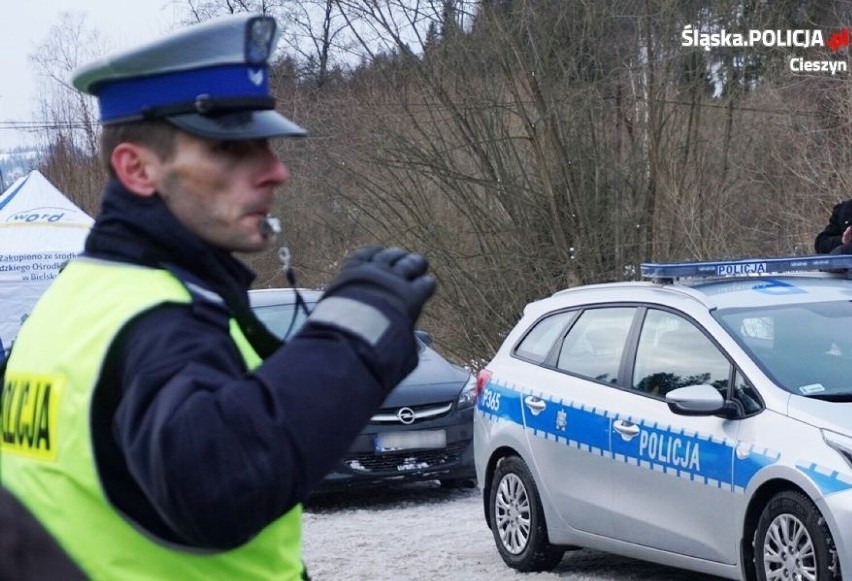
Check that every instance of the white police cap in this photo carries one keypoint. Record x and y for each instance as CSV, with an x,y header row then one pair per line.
x,y
209,80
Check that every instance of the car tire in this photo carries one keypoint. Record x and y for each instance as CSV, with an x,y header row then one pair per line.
x,y
792,541
517,519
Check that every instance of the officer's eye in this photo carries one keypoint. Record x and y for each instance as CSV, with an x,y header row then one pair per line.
x,y
237,148
227,146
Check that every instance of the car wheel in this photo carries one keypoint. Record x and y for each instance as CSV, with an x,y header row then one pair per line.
x,y
792,541
517,519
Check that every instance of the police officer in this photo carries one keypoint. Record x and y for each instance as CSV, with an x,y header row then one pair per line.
x,y
152,428
837,235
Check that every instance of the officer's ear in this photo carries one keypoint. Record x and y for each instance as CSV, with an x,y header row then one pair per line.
x,y
137,167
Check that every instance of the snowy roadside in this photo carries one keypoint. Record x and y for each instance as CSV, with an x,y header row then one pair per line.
x,y
426,532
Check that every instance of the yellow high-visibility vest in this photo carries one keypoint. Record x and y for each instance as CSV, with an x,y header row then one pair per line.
x,y
46,450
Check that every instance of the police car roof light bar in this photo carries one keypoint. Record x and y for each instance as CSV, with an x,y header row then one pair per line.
x,y
746,267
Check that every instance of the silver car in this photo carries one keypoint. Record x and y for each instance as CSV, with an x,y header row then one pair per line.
x,y
701,419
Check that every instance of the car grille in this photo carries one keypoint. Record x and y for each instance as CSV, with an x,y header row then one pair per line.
x,y
408,415
406,460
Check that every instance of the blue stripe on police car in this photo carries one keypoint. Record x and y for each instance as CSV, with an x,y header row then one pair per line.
x,y
707,461
828,482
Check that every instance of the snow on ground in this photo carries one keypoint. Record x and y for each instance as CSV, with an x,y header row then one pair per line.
x,y
430,533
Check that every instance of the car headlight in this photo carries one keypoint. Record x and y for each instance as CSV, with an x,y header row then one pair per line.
x,y
467,397
841,443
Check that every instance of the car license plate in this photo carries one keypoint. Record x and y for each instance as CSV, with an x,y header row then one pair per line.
x,y
391,441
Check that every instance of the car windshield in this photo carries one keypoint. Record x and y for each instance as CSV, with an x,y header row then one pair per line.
x,y
806,348
280,318
285,319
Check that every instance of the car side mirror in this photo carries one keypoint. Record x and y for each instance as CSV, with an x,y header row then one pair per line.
x,y
424,336
697,400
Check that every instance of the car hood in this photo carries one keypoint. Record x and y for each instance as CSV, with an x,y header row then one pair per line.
x,y
434,380
834,416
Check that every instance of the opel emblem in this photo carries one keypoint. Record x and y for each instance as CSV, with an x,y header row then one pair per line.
x,y
406,415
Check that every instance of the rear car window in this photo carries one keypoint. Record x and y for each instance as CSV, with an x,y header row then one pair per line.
x,y
538,341
594,345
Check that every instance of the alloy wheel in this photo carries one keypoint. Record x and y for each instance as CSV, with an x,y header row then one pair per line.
x,y
512,512
788,551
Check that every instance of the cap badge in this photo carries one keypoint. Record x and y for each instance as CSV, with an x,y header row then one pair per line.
x,y
255,76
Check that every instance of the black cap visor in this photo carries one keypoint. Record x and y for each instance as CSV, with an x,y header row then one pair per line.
x,y
237,125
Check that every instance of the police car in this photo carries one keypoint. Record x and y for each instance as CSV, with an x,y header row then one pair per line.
x,y
701,419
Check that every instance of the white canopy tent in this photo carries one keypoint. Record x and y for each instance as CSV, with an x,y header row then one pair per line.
x,y
40,229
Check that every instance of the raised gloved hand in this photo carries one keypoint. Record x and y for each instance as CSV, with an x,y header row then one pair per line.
x,y
396,275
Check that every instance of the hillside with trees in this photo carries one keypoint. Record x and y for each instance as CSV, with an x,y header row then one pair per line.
x,y
526,146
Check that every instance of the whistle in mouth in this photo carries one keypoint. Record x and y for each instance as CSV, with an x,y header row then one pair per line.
x,y
271,226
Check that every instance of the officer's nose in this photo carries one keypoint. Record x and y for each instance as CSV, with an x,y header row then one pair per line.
x,y
273,171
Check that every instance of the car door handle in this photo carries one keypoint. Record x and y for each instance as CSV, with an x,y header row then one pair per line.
x,y
628,430
535,404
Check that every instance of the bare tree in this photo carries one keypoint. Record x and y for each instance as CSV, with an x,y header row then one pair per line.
x,y
529,145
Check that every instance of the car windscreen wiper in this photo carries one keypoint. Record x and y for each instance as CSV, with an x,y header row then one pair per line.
x,y
833,397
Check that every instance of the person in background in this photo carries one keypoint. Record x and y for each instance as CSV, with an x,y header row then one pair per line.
x,y
836,237
152,427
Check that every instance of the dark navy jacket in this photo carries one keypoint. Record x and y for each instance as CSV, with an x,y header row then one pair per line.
x,y
830,237
190,445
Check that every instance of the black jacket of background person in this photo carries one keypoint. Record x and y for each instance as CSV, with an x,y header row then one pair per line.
x,y
214,474
829,238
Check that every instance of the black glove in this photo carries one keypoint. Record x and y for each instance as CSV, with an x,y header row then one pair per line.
x,y
396,275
